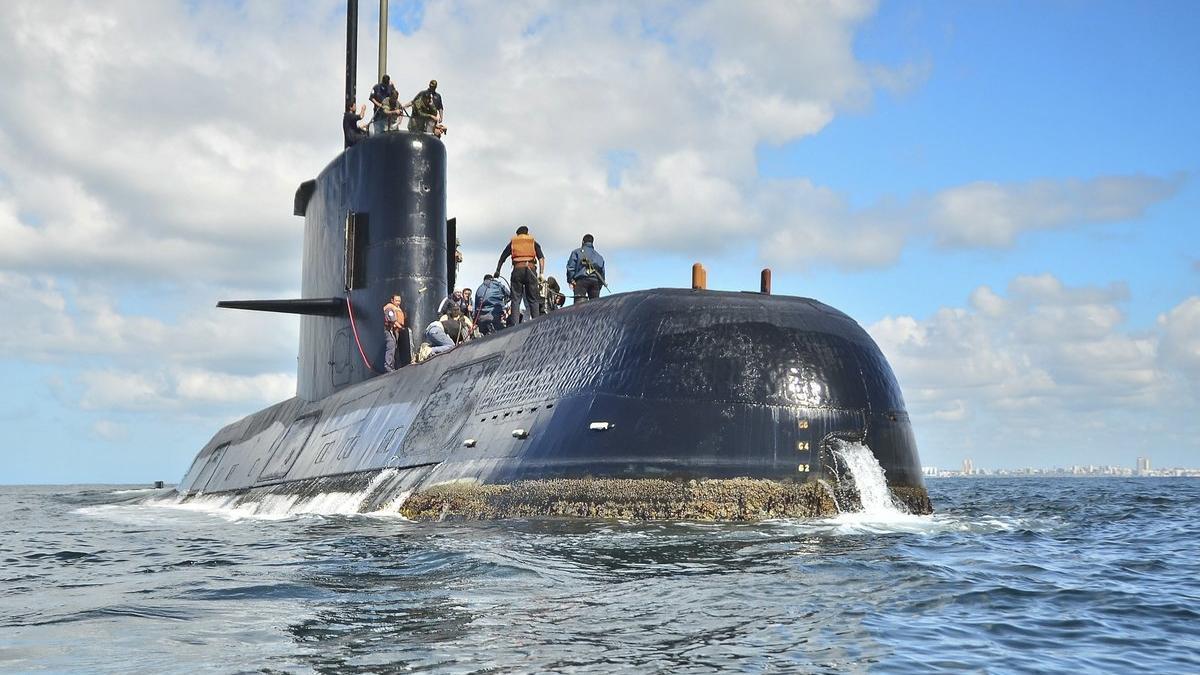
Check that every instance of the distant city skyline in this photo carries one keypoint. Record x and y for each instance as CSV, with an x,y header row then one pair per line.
x,y
1142,467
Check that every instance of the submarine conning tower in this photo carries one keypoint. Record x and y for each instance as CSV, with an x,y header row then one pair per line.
x,y
374,224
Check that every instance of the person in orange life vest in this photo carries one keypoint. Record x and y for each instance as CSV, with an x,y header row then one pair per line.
x,y
526,254
393,327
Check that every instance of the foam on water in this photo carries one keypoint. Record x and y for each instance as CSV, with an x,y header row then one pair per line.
x,y
282,506
133,491
868,477
878,513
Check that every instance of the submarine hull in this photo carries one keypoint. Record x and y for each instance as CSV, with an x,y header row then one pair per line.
x,y
658,403
669,385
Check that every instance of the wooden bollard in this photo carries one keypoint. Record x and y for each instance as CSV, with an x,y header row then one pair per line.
x,y
764,285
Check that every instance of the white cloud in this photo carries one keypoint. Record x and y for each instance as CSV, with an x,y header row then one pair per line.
x,y
107,430
205,359
1045,368
55,322
174,154
1180,348
990,214
155,158
181,390
201,385
113,390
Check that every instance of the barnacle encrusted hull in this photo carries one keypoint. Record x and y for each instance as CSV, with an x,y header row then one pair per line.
x,y
739,499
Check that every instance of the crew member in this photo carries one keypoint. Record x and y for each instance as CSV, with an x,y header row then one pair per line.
x,y
424,113
393,111
454,298
526,254
552,297
393,328
435,99
457,325
352,127
490,299
380,93
439,342
585,271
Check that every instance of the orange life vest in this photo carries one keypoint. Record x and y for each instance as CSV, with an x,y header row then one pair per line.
x,y
393,315
524,249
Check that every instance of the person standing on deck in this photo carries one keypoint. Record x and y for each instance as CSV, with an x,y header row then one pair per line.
x,y
526,256
393,328
585,271
352,127
490,299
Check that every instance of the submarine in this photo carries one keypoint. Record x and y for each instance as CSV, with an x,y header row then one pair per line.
x,y
670,403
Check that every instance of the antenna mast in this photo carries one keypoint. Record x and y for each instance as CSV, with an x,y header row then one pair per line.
x,y
351,49
383,28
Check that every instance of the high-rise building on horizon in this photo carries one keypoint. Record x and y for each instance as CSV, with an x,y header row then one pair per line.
x,y
1143,465
968,467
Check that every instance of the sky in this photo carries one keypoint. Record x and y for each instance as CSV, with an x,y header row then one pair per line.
x,y
1003,194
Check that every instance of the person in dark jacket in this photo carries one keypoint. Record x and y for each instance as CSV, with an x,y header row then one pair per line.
x,y
450,300
585,271
490,300
552,296
380,93
352,127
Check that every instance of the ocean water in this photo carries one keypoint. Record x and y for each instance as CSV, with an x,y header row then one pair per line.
x,y
1009,575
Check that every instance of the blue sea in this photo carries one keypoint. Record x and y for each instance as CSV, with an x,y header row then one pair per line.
x,y
1009,575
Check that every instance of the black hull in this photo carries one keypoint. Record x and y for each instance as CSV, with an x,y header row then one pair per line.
x,y
660,385
691,385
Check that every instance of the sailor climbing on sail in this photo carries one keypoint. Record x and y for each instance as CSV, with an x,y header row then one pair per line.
x,y
393,328
585,271
526,255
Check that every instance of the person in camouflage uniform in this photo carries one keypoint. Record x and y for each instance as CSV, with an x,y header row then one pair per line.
x,y
424,113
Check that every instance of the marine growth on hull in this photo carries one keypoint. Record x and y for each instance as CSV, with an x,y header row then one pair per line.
x,y
737,499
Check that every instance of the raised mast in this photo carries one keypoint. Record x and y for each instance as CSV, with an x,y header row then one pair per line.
x,y
383,29
351,50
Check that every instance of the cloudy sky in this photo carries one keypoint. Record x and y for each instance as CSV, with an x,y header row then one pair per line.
x,y
1003,193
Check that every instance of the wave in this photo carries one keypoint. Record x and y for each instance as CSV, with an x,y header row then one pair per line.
x,y
234,507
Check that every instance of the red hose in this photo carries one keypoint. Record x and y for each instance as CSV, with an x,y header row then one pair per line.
x,y
350,309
